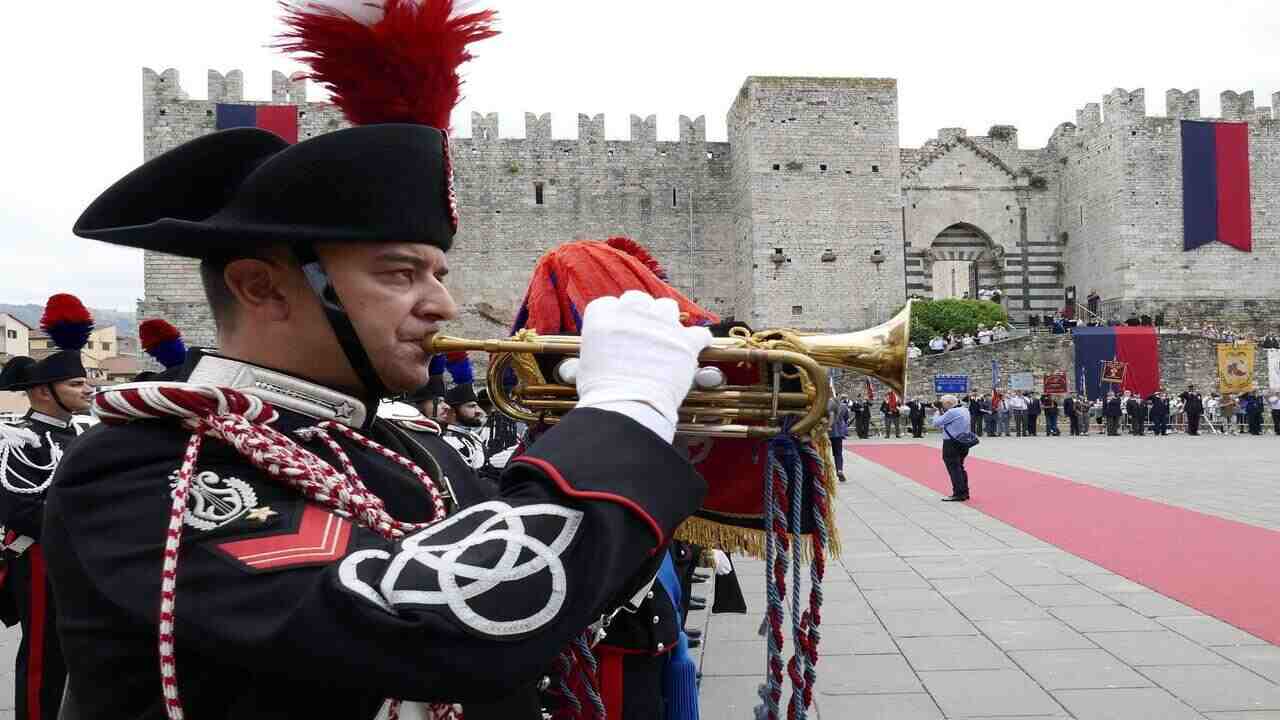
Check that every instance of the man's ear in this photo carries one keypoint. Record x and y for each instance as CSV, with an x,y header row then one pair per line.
x,y
258,286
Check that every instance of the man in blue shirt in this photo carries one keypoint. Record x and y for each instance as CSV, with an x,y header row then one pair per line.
x,y
954,421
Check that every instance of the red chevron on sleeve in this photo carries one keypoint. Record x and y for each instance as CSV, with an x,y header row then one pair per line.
x,y
321,538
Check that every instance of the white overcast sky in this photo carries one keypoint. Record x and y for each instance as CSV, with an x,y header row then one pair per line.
x,y
71,122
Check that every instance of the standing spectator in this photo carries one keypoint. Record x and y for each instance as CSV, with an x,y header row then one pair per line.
x,y
954,421
1133,412
991,403
1002,416
839,415
1018,409
974,403
1254,412
1083,409
1273,402
1193,406
1113,409
915,415
1033,413
1227,409
862,417
1212,407
1242,412
1160,413
1049,405
892,414
1177,412
1073,420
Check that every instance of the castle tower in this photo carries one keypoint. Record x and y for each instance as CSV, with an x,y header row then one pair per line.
x,y
816,176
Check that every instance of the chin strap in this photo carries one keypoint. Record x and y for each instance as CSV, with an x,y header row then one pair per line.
x,y
54,392
320,284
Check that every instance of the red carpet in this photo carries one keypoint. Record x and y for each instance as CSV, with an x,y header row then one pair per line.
x,y
1223,568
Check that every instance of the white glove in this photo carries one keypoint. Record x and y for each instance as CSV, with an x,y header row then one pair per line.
x,y
637,359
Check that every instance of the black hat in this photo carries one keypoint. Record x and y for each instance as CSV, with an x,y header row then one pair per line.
x,y
226,194
68,324
460,395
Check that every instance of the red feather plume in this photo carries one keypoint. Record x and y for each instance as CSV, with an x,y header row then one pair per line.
x,y
67,321
639,252
401,68
155,331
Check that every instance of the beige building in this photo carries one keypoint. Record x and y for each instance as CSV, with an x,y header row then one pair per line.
x,y
16,337
104,342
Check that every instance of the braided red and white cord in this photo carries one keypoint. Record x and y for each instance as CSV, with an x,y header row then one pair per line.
x,y
242,421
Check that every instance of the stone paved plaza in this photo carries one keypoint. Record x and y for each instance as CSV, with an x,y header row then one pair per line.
x,y
938,611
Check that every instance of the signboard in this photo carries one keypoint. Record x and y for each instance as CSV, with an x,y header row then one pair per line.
x,y
1024,381
1055,384
1235,367
943,384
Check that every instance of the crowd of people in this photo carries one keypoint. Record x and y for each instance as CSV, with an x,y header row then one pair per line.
x,y
1028,414
955,341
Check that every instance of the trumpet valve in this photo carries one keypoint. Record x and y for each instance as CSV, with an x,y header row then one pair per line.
x,y
567,371
708,378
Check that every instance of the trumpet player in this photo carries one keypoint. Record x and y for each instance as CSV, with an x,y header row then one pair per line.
x,y
252,541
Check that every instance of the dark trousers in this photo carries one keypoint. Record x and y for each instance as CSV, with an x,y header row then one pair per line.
x,y
1113,425
1074,421
1160,426
990,421
1051,424
976,425
1193,423
40,674
917,427
1031,424
862,425
837,453
1255,424
1138,424
1275,421
953,455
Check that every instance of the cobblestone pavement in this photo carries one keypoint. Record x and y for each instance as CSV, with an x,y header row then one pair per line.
x,y
938,611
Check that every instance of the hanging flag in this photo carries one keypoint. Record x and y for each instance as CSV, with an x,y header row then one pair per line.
x,y
1138,348
1235,367
1215,185
279,119
871,392
1113,371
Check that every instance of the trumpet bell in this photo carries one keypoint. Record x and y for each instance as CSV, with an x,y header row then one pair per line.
x,y
880,351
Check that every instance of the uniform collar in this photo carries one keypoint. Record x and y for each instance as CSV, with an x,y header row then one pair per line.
x,y
279,389
48,419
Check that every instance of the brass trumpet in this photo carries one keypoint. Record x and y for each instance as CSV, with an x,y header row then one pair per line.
x,y
713,408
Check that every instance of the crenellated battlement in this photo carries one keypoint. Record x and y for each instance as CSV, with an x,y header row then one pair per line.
x,y
1124,107
537,129
1182,106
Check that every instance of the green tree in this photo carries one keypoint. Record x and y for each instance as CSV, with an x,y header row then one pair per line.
x,y
939,317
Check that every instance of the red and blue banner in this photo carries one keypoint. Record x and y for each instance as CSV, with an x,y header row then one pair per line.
x,y
279,119
1137,347
1215,185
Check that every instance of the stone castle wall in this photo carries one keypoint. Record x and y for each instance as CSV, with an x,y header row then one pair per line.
x,y
812,215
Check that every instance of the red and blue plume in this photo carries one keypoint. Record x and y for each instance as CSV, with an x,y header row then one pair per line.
x,y
163,342
458,364
67,321
460,369
387,61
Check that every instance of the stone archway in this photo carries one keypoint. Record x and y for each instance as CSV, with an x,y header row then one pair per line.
x,y
961,260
